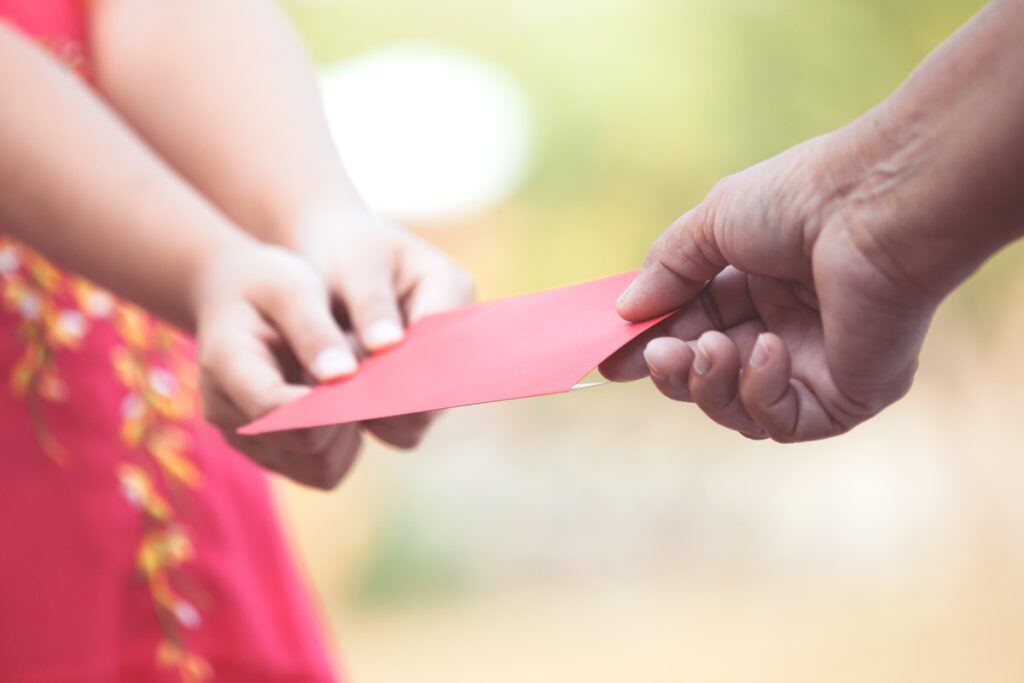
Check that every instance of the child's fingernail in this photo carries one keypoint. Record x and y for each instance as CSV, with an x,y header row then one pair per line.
x,y
759,356
701,359
625,293
334,362
383,333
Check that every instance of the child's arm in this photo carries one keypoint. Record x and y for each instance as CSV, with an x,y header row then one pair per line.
x,y
225,92
79,186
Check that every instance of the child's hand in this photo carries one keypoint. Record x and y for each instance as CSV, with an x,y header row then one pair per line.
x,y
264,326
384,278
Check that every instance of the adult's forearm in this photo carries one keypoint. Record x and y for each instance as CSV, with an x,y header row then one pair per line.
x,y
236,110
944,154
79,186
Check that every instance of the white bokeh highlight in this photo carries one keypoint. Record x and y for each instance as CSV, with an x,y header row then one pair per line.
x,y
428,134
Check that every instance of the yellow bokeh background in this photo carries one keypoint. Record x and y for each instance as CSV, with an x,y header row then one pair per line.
x,y
610,535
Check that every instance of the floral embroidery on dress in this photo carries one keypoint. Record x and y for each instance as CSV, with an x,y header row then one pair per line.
x,y
162,387
56,311
31,290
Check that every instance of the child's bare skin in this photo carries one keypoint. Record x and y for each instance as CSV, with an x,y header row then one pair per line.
x,y
208,149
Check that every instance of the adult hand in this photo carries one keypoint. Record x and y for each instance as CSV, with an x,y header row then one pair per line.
x,y
807,282
799,320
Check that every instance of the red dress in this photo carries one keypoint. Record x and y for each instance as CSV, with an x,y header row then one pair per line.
x,y
135,546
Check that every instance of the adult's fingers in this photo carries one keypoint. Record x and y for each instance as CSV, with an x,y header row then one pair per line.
x,y
785,407
668,361
723,304
681,262
714,383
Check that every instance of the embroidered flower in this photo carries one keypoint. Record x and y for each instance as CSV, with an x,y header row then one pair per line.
x,y
190,668
93,301
161,390
9,260
38,294
187,614
55,311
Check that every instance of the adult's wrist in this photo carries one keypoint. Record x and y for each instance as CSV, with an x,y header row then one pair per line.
x,y
943,155
912,200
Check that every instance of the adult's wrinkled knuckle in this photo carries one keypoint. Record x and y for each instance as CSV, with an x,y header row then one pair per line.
x,y
724,188
685,259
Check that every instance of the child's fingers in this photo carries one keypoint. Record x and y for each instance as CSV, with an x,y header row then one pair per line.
x,y
321,470
262,453
327,469
714,383
367,289
324,468
403,431
220,412
316,457
246,374
300,308
441,287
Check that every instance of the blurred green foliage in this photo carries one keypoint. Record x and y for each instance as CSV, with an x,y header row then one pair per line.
x,y
405,563
640,105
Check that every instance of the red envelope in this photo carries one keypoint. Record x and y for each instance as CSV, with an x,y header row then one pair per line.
x,y
530,345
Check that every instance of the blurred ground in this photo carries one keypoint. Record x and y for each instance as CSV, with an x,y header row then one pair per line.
x,y
609,534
